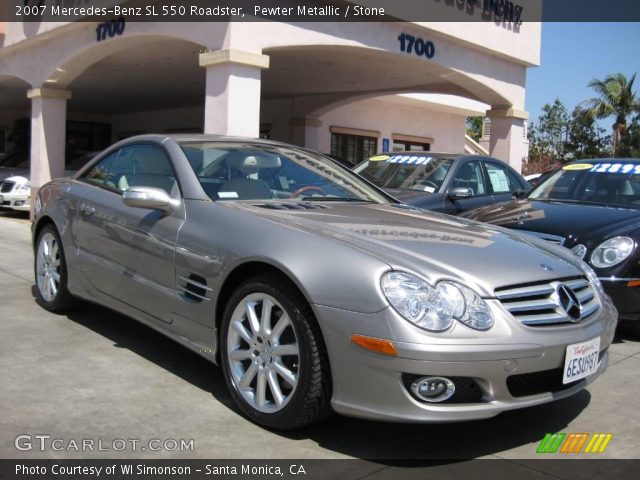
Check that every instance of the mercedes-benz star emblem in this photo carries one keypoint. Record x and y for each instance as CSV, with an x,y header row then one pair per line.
x,y
568,301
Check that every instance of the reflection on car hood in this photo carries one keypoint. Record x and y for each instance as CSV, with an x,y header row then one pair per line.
x,y
575,222
434,245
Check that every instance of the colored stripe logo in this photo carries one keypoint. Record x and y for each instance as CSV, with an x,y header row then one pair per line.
x,y
574,443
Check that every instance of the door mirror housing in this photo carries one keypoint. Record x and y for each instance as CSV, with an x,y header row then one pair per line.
x,y
460,192
519,194
147,197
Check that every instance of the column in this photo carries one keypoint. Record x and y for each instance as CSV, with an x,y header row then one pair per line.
x,y
48,134
507,138
305,131
232,102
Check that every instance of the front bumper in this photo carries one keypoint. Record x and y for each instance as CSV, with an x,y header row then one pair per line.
x,y
16,201
374,386
625,298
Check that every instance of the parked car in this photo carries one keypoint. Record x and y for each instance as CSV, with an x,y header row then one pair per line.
x,y
315,290
15,191
593,208
443,182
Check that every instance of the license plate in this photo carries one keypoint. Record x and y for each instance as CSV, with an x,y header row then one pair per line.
x,y
581,360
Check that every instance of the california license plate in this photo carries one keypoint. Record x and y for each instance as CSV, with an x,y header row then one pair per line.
x,y
581,360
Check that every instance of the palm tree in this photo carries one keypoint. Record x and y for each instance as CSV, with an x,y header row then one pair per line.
x,y
615,97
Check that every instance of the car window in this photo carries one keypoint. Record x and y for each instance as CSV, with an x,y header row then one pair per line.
x,y
608,182
501,178
134,166
423,173
470,176
249,172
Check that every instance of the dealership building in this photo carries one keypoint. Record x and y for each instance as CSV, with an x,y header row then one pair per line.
x,y
347,89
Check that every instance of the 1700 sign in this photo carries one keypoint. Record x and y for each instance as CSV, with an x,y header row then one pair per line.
x,y
110,29
417,45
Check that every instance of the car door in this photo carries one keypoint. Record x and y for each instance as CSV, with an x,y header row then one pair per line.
x,y
468,174
128,252
503,181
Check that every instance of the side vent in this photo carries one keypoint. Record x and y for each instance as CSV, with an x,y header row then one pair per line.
x,y
194,287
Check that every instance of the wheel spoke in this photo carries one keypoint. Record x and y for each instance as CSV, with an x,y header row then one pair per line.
x,y
248,376
239,355
285,373
240,330
280,326
47,288
274,387
56,277
250,310
53,287
288,349
265,316
261,388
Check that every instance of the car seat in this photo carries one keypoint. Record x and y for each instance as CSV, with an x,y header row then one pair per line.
x,y
242,183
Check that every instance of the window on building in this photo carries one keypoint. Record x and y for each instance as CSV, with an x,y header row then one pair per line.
x,y
353,146
410,143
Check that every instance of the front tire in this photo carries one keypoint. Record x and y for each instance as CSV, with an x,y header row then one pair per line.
x,y
273,355
50,271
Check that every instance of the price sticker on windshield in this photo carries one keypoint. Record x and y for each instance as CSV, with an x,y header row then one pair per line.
x,y
616,168
578,166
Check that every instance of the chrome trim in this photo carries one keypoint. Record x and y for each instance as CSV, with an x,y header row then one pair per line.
x,y
195,284
557,239
193,294
616,279
540,304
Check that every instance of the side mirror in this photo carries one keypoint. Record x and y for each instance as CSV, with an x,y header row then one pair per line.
x,y
460,192
519,194
147,197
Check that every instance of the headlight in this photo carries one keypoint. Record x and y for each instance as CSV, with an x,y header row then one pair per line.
x,y
611,252
25,187
467,306
435,309
417,301
579,251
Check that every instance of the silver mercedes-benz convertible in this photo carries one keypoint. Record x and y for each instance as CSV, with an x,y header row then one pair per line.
x,y
314,290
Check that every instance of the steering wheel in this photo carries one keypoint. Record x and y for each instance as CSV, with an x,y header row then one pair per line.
x,y
429,183
306,189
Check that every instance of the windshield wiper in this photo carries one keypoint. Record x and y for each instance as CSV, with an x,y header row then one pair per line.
x,y
335,199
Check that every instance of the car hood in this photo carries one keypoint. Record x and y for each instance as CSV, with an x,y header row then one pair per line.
x,y
434,245
575,222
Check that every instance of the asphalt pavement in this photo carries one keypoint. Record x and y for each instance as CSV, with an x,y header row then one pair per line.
x,y
94,375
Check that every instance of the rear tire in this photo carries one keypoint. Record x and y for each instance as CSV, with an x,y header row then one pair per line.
x,y
273,355
50,270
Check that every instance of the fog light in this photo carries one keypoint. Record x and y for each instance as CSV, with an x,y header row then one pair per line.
x,y
19,203
433,389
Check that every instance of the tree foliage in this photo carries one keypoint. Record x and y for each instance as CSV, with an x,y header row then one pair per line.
x,y
474,127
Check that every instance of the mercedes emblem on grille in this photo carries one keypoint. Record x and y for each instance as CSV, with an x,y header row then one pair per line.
x,y
568,301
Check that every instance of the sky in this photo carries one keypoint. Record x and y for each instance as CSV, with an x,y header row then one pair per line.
x,y
575,53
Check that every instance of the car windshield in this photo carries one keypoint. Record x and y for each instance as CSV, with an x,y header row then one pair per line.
x,y
615,183
423,173
267,172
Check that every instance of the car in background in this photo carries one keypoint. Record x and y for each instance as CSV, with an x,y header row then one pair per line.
x,y
442,182
593,208
315,290
15,190
15,193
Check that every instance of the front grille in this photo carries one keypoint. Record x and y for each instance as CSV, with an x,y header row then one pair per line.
x,y
546,381
534,383
540,304
467,389
7,186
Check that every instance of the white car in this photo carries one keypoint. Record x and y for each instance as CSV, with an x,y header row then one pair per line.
x,y
15,193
